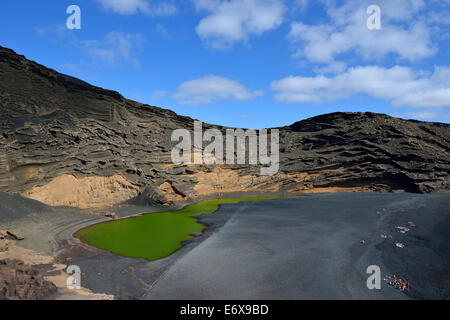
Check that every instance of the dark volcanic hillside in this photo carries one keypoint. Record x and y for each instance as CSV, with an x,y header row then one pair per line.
x,y
65,142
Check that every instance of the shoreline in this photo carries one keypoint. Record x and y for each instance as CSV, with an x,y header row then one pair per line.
x,y
193,211
315,242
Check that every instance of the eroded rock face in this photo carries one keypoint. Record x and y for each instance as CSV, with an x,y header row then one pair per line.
x,y
358,149
53,127
88,192
10,235
4,245
19,281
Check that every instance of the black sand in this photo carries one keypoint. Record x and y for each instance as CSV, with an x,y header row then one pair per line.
x,y
291,248
309,248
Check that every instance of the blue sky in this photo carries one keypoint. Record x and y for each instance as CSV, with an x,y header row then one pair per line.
x,y
248,63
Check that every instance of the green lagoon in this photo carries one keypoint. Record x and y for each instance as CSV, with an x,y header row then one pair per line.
x,y
153,236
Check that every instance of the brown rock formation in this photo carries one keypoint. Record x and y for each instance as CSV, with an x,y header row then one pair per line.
x,y
88,192
10,235
19,281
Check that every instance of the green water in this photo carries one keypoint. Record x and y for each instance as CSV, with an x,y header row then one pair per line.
x,y
155,235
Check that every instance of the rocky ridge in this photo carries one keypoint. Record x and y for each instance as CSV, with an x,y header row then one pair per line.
x,y
53,125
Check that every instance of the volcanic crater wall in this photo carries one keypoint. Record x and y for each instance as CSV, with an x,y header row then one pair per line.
x,y
53,125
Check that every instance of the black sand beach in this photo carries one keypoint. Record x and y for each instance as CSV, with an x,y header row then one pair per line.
x,y
307,247
293,248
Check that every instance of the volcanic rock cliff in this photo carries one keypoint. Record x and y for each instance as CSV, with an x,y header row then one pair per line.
x,y
65,142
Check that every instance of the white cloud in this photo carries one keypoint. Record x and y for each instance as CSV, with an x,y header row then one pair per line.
x,y
127,7
401,33
428,115
232,21
301,5
114,48
400,85
158,94
213,88
162,30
